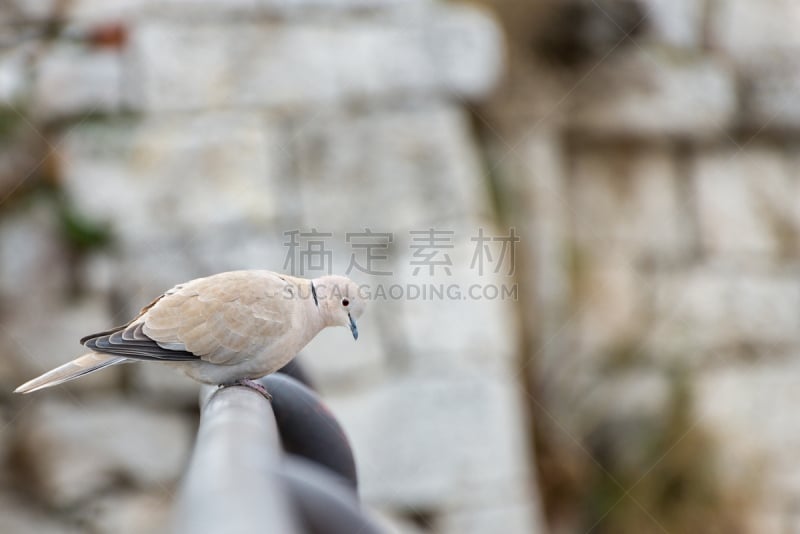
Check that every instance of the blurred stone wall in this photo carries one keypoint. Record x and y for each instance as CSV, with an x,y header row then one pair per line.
x,y
643,149
169,140
648,151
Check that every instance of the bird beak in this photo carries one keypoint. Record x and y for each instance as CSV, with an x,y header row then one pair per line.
x,y
353,327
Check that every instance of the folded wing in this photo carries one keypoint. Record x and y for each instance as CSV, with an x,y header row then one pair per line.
x,y
221,319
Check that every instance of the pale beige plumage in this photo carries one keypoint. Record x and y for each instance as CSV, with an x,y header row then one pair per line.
x,y
223,328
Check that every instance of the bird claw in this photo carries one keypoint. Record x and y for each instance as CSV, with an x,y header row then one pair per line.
x,y
252,384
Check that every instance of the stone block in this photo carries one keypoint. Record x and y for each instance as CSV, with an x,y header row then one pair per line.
x,y
170,176
434,443
92,10
19,515
648,93
467,48
529,168
336,362
770,103
14,74
745,203
457,323
711,307
128,512
453,51
629,198
414,167
511,517
610,305
750,409
98,11
750,31
291,6
72,81
33,265
78,451
676,23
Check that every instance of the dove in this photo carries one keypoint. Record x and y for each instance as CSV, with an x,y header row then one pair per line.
x,y
226,329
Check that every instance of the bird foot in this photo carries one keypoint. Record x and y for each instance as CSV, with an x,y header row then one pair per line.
x,y
252,384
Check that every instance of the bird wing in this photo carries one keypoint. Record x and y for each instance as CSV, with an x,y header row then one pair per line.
x,y
221,319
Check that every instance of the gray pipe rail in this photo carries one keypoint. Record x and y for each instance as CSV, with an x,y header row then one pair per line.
x,y
258,466
231,484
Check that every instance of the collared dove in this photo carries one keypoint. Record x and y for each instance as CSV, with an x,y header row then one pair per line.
x,y
225,329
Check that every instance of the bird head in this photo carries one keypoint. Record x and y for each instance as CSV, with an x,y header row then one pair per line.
x,y
339,301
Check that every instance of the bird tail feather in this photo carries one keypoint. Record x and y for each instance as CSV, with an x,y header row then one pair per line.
x,y
83,365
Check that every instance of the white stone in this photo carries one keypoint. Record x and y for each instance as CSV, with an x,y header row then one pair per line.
x,y
99,10
129,513
80,450
610,312
751,31
414,168
745,203
509,517
18,515
75,81
675,22
339,5
214,65
456,323
538,194
712,307
435,443
503,507
771,98
467,49
629,199
33,9
751,410
628,212
648,93
14,74
175,175
529,167
766,309
29,247
98,272
336,362
243,246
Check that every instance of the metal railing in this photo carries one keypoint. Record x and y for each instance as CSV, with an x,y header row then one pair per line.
x,y
282,466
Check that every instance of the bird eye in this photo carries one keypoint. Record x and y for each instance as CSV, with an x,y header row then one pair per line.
x,y
345,303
